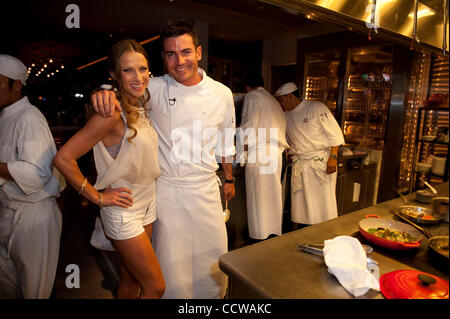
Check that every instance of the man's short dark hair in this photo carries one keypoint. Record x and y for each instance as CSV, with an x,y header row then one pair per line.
x,y
296,93
253,79
178,27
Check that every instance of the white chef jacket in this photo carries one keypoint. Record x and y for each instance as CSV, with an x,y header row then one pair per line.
x,y
311,131
189,235
30,220
261,112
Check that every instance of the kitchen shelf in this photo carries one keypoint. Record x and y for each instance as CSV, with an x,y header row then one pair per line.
x,y
433,142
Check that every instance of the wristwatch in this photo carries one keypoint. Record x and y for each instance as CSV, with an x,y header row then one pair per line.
x,y
333,156
230,181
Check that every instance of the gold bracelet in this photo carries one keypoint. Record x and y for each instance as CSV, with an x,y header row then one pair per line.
x,y
83,185
100,199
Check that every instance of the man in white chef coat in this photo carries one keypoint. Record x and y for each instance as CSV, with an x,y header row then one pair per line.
x,y
30,219
265,124
314,137
195,120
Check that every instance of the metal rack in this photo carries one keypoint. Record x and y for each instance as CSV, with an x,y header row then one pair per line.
x,y
367,96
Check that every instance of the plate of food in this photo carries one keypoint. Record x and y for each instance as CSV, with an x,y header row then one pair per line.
x,y
389,233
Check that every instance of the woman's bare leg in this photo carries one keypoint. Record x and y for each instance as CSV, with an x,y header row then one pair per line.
x,y
140,260
128,286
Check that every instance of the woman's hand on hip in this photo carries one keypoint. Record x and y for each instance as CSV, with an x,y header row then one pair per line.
x,y
117,197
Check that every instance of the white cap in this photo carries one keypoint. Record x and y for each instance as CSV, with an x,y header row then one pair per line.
x,y
13,68
286,89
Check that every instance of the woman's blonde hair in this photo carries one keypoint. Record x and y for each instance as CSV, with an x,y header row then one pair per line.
x,y
129,104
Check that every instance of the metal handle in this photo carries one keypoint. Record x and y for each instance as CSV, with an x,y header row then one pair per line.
x,y
402,197
433,190
426,233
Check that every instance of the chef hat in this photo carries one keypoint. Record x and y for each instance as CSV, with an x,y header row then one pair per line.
x,y
13,68
286,89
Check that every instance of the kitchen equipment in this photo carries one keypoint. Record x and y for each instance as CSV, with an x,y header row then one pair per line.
x,y
424,196
317,249
374,223
440,206
420,215
413,284
439,244
405,201
432,189
425,232
438,167
423,167
226,212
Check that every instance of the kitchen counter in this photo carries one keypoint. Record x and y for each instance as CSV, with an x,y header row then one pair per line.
x,y
274,268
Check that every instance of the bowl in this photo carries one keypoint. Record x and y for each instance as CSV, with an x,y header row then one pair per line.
x,y
423,167
429,137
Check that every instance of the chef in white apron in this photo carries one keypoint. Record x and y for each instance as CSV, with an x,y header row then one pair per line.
x,y
265,123
30,219
314,137
195,120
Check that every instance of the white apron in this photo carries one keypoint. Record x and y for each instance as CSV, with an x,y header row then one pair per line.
x,y
264,197
190,236
313,191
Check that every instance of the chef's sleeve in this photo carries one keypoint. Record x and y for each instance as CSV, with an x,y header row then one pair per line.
x,y
36,149
329,125
226,146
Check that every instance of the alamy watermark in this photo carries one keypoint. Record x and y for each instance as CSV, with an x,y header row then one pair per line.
x,y
200,145
73,279
73,19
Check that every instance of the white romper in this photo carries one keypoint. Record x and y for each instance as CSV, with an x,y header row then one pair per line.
x,y
135,167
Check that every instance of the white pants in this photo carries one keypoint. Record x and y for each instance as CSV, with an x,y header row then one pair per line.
x,y
189,236
28,259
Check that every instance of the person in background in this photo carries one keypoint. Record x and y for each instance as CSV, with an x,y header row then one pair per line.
x,y
30,219
263,115
314,137
195,120
126,158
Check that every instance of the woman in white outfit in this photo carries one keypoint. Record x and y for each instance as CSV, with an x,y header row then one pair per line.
x,y
123,145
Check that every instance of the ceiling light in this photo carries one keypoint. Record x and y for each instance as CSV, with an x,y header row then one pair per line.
x,y
51,60
62,66
45,65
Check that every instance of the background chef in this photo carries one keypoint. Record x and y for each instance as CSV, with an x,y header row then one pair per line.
x,y
314,137
30,219
261,113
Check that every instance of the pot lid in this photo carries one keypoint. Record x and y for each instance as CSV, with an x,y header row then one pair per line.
x,y
413,284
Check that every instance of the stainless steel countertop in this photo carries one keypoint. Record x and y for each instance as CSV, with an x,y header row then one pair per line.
x,y
275,269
